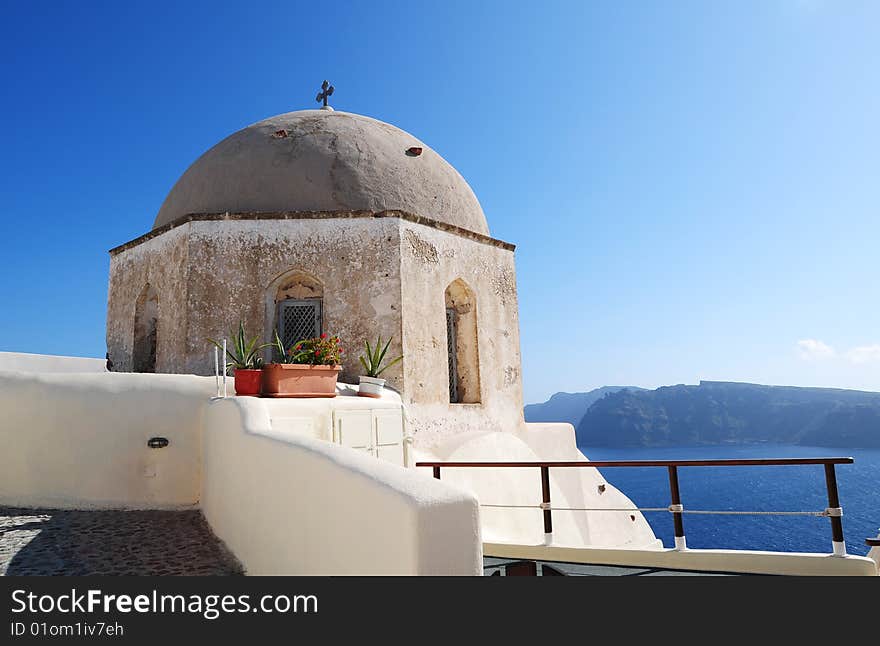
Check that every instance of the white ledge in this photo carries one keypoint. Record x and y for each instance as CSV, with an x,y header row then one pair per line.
x,y
733,561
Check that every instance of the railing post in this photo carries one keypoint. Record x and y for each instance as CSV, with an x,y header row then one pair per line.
x,y
545,505
676,509
436,472
835,512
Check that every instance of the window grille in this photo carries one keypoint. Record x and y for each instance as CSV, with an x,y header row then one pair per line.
x,y
298,320
451,347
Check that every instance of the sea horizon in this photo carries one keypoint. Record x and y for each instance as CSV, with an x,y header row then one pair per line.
x,y
757,488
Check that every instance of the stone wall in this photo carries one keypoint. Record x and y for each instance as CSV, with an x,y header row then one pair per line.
x,y
431,261
379,276
162,263
211,274
236,267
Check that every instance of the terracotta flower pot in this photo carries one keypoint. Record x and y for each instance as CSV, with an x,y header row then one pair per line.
x,y
299,380
248,382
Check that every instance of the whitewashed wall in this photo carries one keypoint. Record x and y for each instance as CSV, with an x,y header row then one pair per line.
x,y
47,363
572,488
289,504
80,441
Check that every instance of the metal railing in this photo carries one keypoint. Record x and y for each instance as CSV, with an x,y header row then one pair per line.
x,y
833,512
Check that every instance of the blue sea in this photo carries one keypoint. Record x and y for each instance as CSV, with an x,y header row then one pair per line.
x,y
789,488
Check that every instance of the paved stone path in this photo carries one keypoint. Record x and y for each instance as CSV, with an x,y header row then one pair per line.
x,y
56,542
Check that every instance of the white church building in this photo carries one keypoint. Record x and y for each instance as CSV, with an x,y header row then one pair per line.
x,y
325,221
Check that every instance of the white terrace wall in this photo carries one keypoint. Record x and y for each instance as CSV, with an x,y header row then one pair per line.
x,y
289,504
25,362
284,503
80,440
570,488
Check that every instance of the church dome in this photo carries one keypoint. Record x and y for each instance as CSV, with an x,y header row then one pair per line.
x,y
324,160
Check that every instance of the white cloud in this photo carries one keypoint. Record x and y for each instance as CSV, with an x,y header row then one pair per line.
x,y
864,354
814,349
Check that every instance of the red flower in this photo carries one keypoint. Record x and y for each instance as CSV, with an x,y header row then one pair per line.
x,y
317,353
339,350
323,335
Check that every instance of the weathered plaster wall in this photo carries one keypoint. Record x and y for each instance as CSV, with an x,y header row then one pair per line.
x,y
430,261
233,264
80,440
379,276
163,263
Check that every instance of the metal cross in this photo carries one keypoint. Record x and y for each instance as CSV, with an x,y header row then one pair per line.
x,y
324,94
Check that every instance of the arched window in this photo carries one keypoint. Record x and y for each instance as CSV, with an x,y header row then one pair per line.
x,y
297,302
146,330
461,344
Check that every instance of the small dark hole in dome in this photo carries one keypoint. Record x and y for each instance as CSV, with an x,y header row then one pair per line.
x,y
414,151
280,134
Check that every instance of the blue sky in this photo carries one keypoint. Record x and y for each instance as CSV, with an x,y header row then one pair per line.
x,y
692,186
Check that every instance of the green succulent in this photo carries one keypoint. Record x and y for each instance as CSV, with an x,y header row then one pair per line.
x,y
243,354
372,362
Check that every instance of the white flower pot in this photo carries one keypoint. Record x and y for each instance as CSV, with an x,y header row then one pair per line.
x,y
371,387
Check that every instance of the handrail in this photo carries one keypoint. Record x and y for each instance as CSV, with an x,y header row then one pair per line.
x,y
834,511
648,463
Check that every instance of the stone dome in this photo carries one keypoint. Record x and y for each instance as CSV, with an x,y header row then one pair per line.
x,y
323,160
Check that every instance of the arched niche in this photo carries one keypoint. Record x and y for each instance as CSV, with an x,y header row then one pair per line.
x,y
146,330
294,306
462,343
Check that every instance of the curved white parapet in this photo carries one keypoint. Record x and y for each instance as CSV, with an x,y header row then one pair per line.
x,y
286,503
570,488
48,363
81,442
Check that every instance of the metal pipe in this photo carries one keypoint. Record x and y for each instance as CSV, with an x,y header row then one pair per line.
x,y
835,512
676,508
545,497
224,369
649,463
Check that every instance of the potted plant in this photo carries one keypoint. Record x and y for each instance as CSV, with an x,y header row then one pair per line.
x,y
308,368
370,384
245,360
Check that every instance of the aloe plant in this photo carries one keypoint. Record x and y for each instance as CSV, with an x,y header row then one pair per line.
x,y
281,353
244,354
372,362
